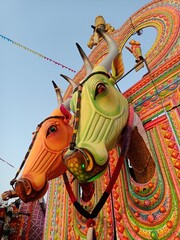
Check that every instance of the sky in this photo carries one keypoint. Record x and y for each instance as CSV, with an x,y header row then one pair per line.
x,y
50,28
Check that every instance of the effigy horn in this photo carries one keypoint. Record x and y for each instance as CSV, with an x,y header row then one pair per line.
x,y
70,81
74,85
86,61
58,94
113,49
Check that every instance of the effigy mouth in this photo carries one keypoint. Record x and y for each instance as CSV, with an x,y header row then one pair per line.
x,y
81,164
26,192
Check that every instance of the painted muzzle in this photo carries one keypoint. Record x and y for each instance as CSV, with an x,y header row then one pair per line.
x,y
82,165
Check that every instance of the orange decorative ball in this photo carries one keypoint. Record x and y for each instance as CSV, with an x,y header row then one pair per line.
x,y
136,228
156,196
174,154
150,185
177,164
169,224
136,214
120,228
162,209
150,218
118,217
110,232
147,203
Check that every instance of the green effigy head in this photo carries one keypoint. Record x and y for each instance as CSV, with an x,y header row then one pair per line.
x,y
101,113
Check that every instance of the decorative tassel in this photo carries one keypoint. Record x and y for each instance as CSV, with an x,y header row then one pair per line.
x,y
91,234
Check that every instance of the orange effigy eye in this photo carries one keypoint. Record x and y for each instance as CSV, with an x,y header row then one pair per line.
x,y
51,129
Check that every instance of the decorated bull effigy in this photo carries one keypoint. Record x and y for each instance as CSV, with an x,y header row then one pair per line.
x,y
118,159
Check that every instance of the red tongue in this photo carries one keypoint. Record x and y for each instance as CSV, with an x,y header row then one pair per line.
x,y
87,191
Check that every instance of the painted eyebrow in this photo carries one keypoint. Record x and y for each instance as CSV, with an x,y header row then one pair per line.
x,y
90,75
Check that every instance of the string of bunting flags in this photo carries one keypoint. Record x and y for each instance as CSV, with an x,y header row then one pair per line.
x,y
36,53
6,162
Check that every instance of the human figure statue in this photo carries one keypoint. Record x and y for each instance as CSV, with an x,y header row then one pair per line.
x,y
99,23
137,53
135,50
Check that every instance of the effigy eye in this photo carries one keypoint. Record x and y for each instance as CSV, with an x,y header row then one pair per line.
x,y
51,129
100,89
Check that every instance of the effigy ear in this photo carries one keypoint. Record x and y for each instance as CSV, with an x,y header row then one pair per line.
x,y
117,67
63,106
66,113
